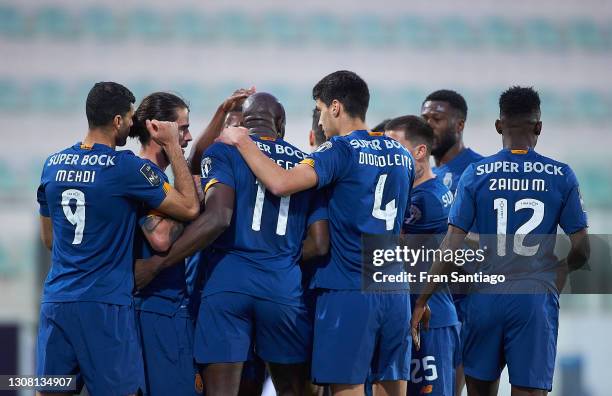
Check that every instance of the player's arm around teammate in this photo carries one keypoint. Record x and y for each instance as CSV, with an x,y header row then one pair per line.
x,y
215,126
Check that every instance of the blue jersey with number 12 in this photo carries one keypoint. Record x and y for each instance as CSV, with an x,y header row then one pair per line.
x,y
516,199
259,252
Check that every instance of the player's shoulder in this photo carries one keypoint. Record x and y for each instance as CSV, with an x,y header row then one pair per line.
x,y
473,156
219,148
285,143
431,192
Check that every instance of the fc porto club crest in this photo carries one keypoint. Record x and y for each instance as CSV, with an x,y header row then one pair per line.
x,y
448,180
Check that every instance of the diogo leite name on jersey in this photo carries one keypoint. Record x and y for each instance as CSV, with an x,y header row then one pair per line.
x,y
381,161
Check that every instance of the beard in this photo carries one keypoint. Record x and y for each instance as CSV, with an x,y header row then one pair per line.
x,y
442,144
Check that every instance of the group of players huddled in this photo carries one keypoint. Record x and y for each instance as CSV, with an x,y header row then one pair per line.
x,y
254,254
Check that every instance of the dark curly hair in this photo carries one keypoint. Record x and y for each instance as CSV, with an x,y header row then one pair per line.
x,y
519,101
454,99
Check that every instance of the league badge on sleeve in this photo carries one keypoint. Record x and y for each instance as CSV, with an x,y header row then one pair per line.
x,y
149,174
206,166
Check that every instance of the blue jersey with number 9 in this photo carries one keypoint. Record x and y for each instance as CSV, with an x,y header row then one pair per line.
x,y
92,195
258,254
370,178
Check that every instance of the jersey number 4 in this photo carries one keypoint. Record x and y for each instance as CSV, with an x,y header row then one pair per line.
x,y
76,218
388,214
500,205
283,212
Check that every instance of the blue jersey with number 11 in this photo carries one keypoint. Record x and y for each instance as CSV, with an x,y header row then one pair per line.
x,y
259,252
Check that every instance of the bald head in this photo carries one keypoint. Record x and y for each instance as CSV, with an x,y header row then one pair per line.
x,y
263,113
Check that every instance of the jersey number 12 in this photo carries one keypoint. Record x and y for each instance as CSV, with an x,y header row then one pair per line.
x,y
501,207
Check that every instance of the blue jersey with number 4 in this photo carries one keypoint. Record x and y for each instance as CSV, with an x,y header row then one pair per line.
x,y
516,199
259,252
92,195
370,178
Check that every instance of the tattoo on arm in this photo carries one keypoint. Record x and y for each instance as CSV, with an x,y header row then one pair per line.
x,y
151,222
176,230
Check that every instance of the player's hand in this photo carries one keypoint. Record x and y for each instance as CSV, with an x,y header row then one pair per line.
x,y
420,315
164,133
235,101
197,180
145,271
232,135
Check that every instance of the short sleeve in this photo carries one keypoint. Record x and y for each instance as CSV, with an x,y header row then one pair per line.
x,y
573,216
463,211
141,182
41,197
415,212
318,208
216,167
330,161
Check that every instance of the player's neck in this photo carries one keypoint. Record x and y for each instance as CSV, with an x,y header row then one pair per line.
x,y
450,153
423,173
352,124
154,153
99,136
262,131
518,144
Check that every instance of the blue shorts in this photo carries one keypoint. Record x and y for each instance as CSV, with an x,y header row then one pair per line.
x,y
230,323
517,330
167,349
432,369
359,334
97,342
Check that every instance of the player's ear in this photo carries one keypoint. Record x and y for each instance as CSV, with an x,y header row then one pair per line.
x,y
421,151
460,125
117,121
537,128
498,126
335,107
311,139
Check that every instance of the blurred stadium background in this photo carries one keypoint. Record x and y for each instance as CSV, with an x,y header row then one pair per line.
x,y
53,51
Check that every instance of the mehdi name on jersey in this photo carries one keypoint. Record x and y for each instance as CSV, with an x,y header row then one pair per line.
x,y
79,176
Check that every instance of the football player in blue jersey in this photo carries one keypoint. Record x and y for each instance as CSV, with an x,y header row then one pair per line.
x,y
369,178
253,293
433,364
164,322
446,112
516,198
89,197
